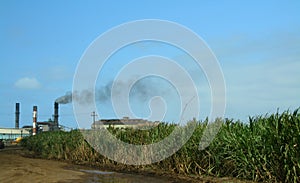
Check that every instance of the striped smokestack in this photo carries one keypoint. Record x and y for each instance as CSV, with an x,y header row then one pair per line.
x,y
34,121
17,115
56,115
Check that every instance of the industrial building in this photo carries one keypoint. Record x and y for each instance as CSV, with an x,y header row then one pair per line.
x,y
36,127
53,125
13,133
125,122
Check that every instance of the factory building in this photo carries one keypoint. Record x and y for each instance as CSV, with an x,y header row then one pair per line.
x,y
125,122
36,127
13,133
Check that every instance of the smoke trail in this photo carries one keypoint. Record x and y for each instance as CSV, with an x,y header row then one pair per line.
x,y
83,97
142,90
67,98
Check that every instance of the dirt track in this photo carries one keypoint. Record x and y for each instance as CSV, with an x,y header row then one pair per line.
x,y
15,167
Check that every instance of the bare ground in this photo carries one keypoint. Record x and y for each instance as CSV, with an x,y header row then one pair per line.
x,y
15,166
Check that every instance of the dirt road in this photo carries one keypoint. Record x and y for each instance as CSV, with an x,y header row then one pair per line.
x,y
16,168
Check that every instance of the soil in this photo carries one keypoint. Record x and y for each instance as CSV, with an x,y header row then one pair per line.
x,y
16,166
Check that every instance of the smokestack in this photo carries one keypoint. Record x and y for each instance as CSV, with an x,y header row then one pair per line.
x,y
56,115
34,122
17,115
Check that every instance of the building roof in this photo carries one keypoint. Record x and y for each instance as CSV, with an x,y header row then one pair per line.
x,y
124,121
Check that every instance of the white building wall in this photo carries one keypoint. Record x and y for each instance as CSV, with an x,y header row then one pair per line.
x,y
12,133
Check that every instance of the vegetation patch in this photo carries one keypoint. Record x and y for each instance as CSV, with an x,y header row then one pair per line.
x,y
266,148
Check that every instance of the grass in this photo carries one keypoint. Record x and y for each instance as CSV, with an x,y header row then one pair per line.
x,y
266,148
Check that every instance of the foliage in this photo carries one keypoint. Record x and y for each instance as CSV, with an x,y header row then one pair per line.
x,y
267,148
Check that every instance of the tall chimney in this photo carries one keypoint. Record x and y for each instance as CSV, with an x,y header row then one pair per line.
x,y
56,115
17,115
34,122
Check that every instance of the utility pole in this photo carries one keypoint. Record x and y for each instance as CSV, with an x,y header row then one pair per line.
x,y
94,118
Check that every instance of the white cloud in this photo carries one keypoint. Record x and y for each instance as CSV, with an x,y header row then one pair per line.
x,y
27,83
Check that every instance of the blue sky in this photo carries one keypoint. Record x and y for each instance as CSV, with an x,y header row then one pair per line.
x,y
256,42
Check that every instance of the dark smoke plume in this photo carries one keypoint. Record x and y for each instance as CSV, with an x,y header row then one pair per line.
x,y
67,98
83,97
142,90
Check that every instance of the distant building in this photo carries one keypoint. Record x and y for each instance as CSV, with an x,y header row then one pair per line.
x,y
13,133
47,126
44,126
125,122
